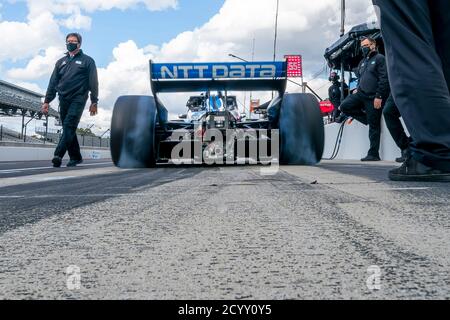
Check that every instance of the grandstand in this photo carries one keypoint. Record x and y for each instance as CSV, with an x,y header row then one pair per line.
x,y
16,101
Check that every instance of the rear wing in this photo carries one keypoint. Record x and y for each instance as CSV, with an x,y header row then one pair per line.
x,y
197,77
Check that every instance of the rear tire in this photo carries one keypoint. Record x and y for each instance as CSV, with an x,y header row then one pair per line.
x,y
133,132
302,131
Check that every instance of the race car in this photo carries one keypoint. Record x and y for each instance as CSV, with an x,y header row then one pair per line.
x,y
213,130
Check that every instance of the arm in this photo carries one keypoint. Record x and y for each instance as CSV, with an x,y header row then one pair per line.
x,y
346,90
383,81
51,90
93,82
93,88
356,70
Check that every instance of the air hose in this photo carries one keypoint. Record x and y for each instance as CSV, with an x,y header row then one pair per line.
x,y
337,145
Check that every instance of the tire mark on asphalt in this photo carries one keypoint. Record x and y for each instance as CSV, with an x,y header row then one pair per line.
x,y
395,260
27,204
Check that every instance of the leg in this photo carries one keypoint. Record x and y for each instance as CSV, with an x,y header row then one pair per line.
x,y
336,113
72,120
75,152
353,106
416,72
374,119
61,148
441,29
392,117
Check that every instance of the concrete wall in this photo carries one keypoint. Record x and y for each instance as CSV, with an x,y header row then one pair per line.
x,y
17,152
355,142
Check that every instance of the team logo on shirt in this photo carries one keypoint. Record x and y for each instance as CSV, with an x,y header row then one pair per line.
x,y
78,62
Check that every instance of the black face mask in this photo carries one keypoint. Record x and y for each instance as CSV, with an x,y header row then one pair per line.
x,y
366,51
71,47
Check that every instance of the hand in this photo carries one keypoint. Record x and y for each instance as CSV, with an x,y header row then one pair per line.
x,y
355,91
45,107
93,109
378,103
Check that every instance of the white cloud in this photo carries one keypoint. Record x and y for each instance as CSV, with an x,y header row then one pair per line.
x,y
77,21
127,74
39,66
21,40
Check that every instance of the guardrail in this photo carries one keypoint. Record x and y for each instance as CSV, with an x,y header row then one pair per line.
x,y
53,136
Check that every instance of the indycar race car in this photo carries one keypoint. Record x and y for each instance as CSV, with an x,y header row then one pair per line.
x,y
213,130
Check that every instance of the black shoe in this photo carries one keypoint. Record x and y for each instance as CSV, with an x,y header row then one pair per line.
x,y
57,161
413,170
74,163
405,155
370,158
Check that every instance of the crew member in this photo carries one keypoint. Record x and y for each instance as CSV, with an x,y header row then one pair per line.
x,y
373,90
392,117
73,77
334,93
416,35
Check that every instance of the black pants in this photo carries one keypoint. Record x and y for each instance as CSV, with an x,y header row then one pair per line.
x,y
336,112
361,108
392,117
416,35
70,112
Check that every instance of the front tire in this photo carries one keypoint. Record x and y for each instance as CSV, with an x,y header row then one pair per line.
x,y
302,132
133,132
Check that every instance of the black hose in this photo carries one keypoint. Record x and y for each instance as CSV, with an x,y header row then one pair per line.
x,y
337,145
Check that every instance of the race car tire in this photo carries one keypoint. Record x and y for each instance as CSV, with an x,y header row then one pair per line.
x,y
302,132
133,132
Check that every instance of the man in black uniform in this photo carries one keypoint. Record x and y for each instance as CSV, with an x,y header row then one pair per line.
x,y
73,77
392,117
334,93
416,35
373,90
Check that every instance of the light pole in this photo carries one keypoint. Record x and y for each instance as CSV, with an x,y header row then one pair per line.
x,y
245,93
276,36
236,57
276,32
291,81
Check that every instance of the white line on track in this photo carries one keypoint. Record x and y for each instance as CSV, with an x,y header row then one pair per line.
x,y
58,175
45,168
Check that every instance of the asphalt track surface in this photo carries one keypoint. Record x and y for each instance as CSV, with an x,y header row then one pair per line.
x,y
340,230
